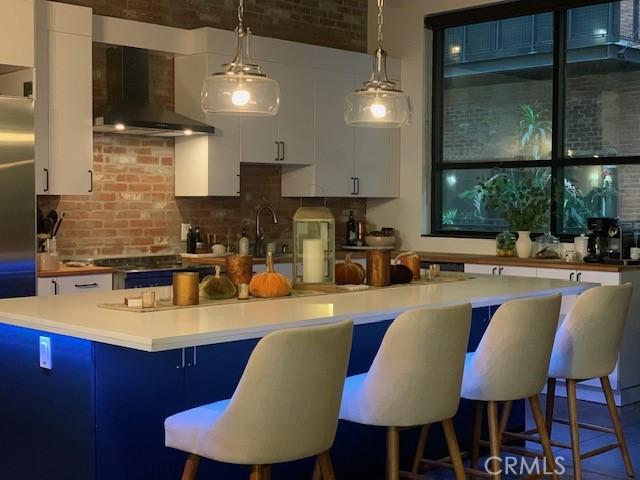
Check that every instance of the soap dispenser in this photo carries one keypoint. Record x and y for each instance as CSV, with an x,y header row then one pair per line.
x,y
243,246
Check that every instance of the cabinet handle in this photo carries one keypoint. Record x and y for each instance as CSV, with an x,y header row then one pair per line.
x,y
46,180
86,285
195,356
353,185
493,271
571,276
90,181
238,175
283,151
183,357
55,287
579,277
277,159
500,270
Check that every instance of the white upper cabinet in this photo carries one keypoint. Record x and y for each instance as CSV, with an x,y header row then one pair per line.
x,y
17,33
64,100
205,166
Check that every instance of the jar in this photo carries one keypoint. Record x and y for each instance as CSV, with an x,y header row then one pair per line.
x,y
547,246
506,244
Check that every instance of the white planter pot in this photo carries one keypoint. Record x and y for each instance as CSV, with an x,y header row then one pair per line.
x,y
524,245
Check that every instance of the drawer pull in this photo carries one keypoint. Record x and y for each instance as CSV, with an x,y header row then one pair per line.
x,y
86,285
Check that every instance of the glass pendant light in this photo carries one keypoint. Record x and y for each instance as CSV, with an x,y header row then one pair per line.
x,y
242,88
379,102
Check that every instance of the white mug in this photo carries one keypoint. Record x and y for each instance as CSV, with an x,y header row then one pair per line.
x,y
635,253
218,249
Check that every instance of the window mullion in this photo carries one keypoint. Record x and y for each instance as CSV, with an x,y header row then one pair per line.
x,y
559,103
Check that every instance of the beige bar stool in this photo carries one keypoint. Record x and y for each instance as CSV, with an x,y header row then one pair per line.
x,y
414,379
587,346
511,363
285,407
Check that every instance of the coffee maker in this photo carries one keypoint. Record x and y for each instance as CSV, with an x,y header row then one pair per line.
x,y
609,241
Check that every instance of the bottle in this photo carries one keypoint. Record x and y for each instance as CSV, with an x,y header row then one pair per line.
x,y
199,242
191,241
243,245
351,230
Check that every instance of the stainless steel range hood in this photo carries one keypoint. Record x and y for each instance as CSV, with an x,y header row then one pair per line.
x,y
129,111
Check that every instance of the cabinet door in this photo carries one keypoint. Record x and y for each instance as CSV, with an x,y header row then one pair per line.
x,y
47,287
480,269
70,114
377,162
557,273
260,134
17,33
601,278
296,120
517,271
85,283
334,139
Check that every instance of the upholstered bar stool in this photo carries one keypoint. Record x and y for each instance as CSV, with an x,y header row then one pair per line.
x,y
414,379
587,346
285,407
511,363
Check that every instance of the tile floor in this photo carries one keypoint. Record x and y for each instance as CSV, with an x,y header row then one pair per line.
x,y
602,467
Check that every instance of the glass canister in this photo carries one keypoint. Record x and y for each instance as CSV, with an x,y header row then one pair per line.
x,y
547,247
506,244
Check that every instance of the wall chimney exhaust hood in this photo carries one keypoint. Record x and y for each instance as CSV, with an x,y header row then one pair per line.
x,y
128,109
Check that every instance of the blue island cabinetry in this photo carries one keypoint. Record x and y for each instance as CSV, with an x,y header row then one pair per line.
x,y
98,413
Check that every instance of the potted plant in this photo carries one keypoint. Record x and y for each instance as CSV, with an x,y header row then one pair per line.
x,y
521,198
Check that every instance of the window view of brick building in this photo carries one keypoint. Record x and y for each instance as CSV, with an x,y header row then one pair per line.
x,y
498,110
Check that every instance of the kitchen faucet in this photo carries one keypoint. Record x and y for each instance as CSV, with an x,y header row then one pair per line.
x,y
258,249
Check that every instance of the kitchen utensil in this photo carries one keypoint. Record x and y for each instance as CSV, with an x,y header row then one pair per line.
x,y
378,268
186,288
239,268
57,226
48,262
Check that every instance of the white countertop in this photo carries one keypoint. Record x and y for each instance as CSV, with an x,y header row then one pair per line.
x,y
79,316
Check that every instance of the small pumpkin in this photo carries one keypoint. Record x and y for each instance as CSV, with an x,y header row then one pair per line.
x,y
269,284
401,274
216,287
349,273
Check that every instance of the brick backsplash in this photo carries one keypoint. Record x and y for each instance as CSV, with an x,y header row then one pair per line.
x,y
134,211
330,23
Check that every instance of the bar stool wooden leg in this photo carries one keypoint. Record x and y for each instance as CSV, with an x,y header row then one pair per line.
x,y
326,466
266,472
536,409
317,473
393,453
477,432
575,429
504,418
494,439
191,467
617,425
454,449
422,445
257,472
548,411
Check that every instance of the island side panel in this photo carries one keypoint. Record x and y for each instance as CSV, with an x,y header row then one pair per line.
x,y
46,416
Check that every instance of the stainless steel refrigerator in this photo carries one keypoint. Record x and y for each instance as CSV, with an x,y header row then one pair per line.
x,y
17,198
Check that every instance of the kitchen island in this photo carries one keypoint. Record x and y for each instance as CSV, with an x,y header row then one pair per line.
x,y
98,412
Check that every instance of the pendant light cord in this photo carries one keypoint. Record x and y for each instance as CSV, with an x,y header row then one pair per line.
x,y
241,15
380,22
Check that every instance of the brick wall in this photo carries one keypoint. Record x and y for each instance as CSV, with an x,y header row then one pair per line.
x,y
330,23
134,210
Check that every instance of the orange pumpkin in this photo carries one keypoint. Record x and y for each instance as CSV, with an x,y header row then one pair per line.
x,y
349,273
269,284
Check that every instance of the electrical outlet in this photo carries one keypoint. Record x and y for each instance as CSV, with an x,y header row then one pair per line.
x,y
184,229
45,353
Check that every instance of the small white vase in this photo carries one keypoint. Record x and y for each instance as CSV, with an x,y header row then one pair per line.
x,y
524,245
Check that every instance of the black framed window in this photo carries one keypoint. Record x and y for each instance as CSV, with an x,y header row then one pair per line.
x,y
541,99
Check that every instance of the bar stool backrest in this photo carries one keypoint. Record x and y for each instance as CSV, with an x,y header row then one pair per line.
x,y
416,376
512,359
588,341
289,396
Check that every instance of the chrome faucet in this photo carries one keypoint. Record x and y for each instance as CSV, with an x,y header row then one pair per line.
x,y
258,248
